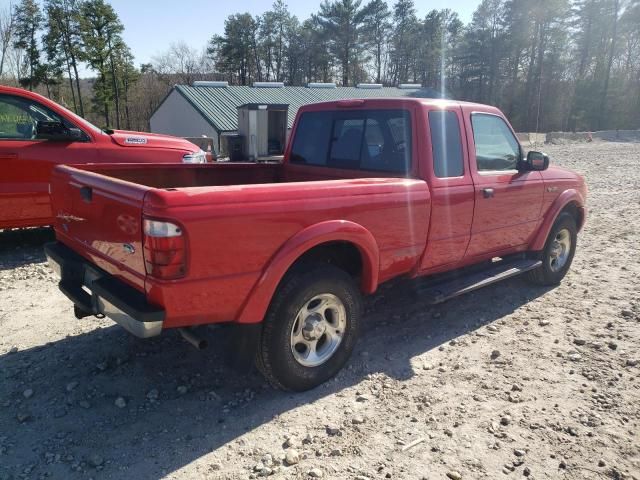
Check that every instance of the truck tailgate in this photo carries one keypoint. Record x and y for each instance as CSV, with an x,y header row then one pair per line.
x,y
101,219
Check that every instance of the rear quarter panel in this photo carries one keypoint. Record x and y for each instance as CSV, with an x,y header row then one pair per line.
x,y
234,232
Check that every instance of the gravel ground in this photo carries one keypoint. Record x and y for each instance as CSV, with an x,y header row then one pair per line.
x,y
507,382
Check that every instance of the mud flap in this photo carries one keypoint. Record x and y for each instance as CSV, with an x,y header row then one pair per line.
x,y
243,345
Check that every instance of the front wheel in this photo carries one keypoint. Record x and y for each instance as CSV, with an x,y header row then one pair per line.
x,y
558,252
310,329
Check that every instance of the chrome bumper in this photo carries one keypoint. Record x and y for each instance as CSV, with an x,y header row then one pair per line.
x,y
95,292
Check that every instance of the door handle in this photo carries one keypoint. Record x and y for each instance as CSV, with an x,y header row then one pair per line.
x,y
8,156
487,192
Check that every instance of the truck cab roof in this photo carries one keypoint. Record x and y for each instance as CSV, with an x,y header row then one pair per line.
x,y
387,102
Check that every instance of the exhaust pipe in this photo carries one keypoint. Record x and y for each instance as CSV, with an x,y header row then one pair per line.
x,y
193,339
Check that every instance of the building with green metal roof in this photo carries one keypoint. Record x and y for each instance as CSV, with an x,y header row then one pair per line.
x,y
210,108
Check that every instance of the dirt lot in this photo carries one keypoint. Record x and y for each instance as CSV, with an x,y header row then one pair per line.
x,y
507,382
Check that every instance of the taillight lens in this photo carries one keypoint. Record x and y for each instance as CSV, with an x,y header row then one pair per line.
x,y
165,250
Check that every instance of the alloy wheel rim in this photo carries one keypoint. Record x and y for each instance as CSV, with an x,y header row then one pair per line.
x,y
560,248
318,330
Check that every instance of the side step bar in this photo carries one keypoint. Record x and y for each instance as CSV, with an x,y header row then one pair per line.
x,y
447,289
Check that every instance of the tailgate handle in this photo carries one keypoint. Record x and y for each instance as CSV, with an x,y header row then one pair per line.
x,y
87,194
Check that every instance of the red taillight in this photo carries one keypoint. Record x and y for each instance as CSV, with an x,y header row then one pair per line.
x,y
165,250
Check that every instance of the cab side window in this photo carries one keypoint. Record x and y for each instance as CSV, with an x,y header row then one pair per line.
x,y
20,116
15,121
496,146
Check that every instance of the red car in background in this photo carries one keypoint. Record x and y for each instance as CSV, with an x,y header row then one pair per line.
x,y
36,134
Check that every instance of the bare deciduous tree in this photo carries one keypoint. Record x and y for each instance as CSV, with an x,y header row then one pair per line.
x,y
7,30
181,64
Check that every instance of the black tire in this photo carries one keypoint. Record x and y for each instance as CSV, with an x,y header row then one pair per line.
x,y
275,358
547,275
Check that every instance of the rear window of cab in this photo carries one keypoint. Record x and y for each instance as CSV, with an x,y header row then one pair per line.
x,y
372,140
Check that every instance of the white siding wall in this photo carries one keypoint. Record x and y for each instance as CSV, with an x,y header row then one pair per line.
x,y
177,117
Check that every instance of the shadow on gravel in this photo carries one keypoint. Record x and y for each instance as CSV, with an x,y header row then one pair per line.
x,y
181,403
23,246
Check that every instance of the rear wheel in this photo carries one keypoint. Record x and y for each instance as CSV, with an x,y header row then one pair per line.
x,y
558,252
310,329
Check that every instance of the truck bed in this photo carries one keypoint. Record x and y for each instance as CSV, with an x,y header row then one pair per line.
x,y
231,211
183,176
167,176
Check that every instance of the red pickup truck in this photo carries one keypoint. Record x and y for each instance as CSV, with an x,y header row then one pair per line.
x,y
369,190
37,134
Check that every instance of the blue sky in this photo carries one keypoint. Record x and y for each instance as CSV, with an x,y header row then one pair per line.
x,y
152,25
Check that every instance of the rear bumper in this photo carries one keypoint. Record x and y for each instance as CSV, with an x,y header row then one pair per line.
x,y
95,292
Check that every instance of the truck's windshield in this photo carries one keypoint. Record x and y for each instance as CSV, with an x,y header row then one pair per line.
x,y
374,140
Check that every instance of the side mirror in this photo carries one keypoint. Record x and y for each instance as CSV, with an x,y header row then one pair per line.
x,y
535,162
57,131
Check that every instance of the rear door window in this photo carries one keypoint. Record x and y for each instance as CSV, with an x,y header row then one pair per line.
x,y
374,140
446,144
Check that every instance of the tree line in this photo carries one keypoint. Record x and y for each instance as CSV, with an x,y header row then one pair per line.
x,y
46,46
548,64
